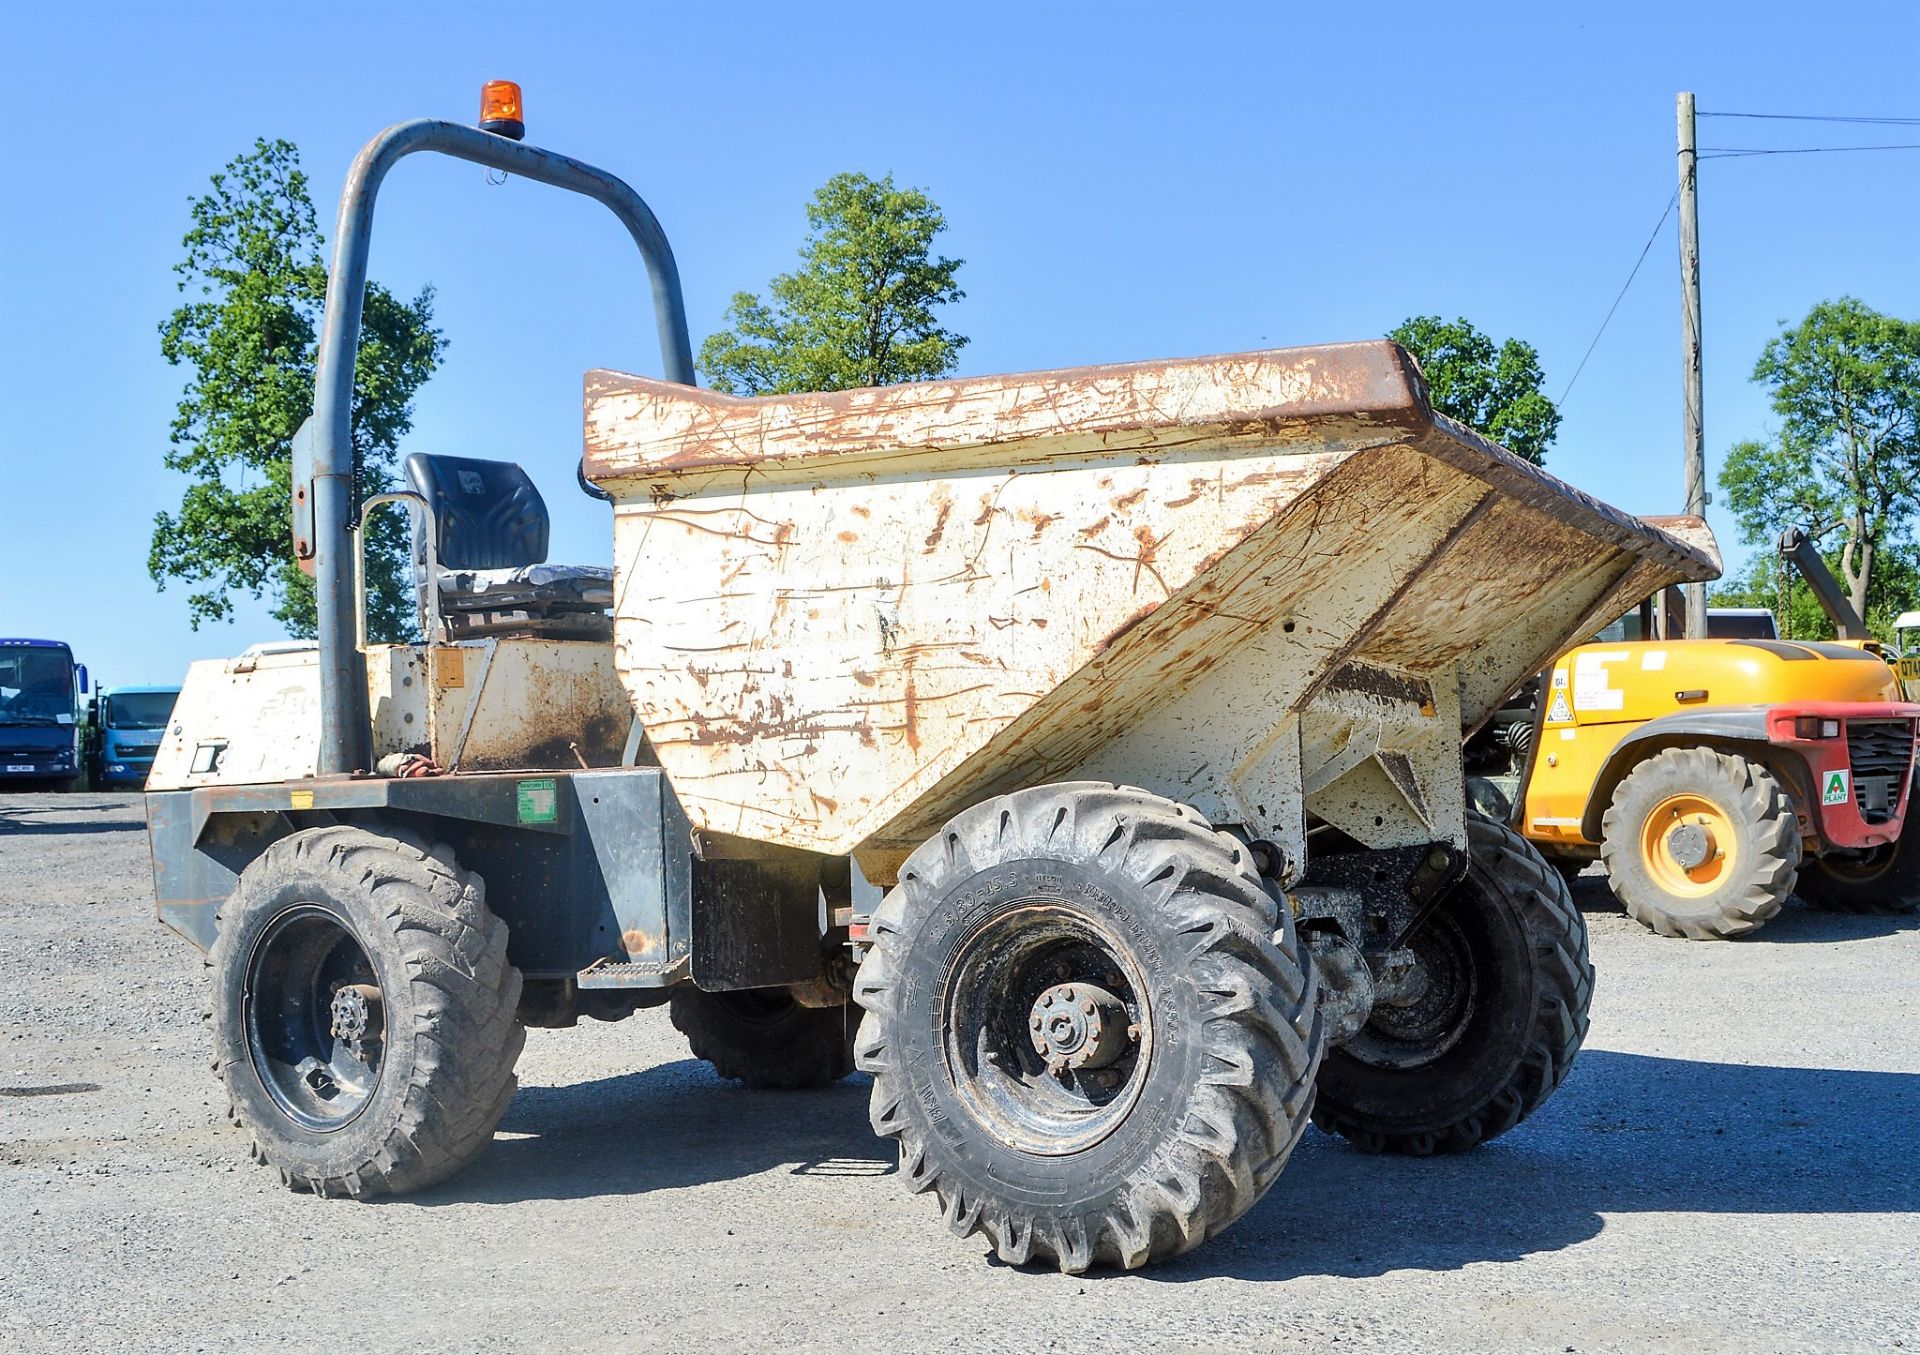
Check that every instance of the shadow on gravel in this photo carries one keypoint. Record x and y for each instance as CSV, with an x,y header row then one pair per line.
x,y
32,819
1796,923
1628,1133
12,827
667,1126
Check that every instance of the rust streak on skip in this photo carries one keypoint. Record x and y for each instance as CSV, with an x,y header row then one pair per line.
x,y
910,712
940,523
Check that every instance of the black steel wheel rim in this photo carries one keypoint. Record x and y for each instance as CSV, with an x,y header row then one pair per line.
x,y
1416,1033
315,1022
1000,976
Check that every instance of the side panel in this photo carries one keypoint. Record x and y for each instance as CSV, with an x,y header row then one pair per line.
x,y
483,705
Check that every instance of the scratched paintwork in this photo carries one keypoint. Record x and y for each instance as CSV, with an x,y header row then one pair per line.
x,y
844,617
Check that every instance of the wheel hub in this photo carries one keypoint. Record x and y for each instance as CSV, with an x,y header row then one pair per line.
x,y
1690,846
1076,1026
355,1011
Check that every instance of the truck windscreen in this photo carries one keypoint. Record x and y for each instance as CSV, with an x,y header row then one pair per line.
x,y
138,710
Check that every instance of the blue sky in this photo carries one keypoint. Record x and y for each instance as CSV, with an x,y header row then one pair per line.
x,y
1123,181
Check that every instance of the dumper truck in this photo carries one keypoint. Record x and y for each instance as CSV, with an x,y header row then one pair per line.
x,y
1076,753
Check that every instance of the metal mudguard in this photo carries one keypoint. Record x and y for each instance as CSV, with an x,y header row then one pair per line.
x,y
593,871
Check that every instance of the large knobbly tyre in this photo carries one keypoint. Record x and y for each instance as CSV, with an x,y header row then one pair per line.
x,y
765,1039
1085,1032
364,1011
1507,983
1700,844
1880,880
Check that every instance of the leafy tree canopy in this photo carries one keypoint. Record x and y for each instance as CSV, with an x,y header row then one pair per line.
x,y
1845,462
1489,387
255,285
861,309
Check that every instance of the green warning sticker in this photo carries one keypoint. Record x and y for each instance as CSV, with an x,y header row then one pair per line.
x,y
1833,791
539,801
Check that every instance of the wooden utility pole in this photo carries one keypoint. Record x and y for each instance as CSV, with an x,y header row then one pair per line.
x,y
1695,447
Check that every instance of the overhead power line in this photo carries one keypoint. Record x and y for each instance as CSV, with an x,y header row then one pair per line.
x,y
1644,250
1733,152
1816,117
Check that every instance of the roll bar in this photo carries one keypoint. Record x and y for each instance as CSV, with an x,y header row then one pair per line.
x,y
323,516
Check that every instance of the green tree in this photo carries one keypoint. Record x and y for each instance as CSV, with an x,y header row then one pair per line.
x,y
255,285
1845,463
861,310
1495,389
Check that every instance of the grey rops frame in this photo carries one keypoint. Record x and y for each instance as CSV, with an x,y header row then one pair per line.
x,y
323,457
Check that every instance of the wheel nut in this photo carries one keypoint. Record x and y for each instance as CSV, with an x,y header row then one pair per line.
x,y
1133,1034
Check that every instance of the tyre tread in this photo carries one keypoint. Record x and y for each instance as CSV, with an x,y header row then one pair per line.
x,y
465,993
1770,876
1263,1033
1557,941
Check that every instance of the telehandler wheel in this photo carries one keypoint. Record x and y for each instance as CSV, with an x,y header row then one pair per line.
x,y
1082,1030
363,1011
1879,880
1501,1015
762,1037
1700,844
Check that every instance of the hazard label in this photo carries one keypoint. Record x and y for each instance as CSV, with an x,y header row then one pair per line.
x,y
1557,713
1833,791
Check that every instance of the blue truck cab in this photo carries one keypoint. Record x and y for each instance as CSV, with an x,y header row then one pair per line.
x,y
131,721
42,719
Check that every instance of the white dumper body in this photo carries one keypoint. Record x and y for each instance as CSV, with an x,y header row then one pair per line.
x,y
1271,585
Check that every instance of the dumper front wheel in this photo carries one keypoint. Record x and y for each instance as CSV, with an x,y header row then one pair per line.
x,y
364,1012
1494,1023
1085,1033
764,1039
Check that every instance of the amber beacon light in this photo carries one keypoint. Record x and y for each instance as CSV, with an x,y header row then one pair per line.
x,y
500,109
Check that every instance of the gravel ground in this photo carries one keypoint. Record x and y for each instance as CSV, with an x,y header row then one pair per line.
x,y
1732,1165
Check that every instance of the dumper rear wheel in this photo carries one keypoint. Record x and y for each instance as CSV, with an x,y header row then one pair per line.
x,y
1085,1033
765,1039
1493,1028
364,1011
1700,844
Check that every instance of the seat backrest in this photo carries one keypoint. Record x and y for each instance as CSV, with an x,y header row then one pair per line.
x,y
488,514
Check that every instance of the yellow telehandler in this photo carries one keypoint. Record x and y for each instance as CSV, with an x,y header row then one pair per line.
x,y
1715,778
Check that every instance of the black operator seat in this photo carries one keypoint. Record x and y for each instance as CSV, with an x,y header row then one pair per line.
x,y
493,577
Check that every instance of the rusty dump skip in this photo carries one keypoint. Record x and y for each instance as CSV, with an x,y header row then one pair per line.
x,y
844,617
